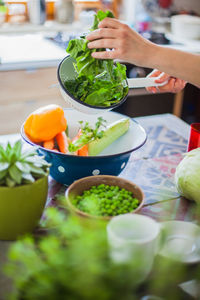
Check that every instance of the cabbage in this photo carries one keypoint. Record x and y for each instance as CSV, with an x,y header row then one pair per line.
x,y
187,175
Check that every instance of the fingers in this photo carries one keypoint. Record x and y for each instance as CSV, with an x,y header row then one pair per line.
x,y
110,23
162,78
105,55
152,89
101,33
179,85
103,43
167,88
174,85
154,73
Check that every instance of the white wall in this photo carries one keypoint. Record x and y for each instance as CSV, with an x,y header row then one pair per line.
x,y
189,5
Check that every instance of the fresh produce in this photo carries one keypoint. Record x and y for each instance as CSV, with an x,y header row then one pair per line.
x,y
98,82
47,127
187,175
112,133
44,123
62,142
106,200
83,151
87,134
49,144
18,167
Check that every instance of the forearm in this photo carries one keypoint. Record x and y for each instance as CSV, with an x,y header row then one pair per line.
x,y
176,63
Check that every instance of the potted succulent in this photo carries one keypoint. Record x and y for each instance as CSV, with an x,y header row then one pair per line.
x,y
23,189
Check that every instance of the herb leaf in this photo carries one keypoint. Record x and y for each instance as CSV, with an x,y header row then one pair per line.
x,y
88,134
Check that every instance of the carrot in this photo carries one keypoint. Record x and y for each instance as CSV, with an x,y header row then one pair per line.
x,y
75,139
83,151
49,144
62,142
77,136
54,149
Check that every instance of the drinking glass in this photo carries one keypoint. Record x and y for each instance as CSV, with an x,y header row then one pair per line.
x,y
133,239
194,138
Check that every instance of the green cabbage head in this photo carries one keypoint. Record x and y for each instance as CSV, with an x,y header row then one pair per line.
x,y
187,175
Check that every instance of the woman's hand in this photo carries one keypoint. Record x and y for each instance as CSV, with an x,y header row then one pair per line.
x,y
125,43
173,85
129,46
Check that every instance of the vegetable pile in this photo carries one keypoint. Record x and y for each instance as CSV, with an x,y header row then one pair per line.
x,y
47,126
19,167
106,200
98,82
187,176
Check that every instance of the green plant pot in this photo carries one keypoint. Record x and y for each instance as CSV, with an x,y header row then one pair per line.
x,y
21,208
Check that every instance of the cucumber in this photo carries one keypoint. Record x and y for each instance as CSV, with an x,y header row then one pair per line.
x,y
112,133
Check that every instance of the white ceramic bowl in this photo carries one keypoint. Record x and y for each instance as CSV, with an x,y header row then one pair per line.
x,y
185,26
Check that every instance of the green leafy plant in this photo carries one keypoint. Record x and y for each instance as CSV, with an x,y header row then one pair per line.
x,y
98,82
72,261
18,166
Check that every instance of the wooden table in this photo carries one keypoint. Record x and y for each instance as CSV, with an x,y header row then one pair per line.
x,y
152,167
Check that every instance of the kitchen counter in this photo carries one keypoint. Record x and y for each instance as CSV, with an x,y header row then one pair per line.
x,y
27,46
49,26
28,51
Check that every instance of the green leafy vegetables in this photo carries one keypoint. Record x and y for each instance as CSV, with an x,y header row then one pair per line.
x,y
98,82
187,175
88,134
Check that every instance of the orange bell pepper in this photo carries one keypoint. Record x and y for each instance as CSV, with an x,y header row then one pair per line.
x,y
45,123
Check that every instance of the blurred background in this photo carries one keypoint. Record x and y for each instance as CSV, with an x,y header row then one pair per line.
x,y
34,35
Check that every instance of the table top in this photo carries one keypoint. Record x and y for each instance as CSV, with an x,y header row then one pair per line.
x,y
152,167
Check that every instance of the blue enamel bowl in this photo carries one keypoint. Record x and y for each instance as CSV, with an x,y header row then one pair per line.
x,y
66,168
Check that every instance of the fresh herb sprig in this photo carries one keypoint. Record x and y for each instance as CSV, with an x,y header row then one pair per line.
x,y
88,134
18,166
99,82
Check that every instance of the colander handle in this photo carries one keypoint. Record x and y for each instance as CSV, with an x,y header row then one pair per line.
x,y
144,82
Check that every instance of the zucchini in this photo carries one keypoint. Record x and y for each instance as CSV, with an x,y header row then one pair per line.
x,y
112,133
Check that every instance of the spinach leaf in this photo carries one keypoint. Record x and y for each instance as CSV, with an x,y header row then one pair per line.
x,y
98,82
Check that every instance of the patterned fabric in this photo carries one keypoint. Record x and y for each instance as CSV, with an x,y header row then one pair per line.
x,y
152,167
